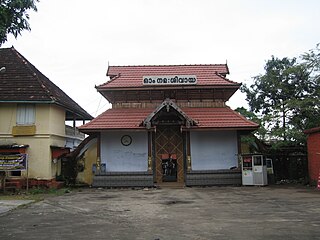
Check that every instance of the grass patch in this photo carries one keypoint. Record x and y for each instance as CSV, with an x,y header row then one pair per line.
x,y
36,194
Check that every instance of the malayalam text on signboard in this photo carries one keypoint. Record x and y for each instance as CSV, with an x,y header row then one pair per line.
x,y
13,162
170,80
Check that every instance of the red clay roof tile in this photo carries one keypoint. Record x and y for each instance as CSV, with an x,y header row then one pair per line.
x,y
218,118
131,118
132,76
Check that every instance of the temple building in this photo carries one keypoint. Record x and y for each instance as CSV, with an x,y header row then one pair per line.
x,y
168,125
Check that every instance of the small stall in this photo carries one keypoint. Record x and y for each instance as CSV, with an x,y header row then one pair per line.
x,y
254,170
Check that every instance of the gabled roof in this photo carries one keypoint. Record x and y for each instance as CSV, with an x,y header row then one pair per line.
x,y
168,103
23,82
132,118
132,76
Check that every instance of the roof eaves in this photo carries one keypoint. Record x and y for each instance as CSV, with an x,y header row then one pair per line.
x,y
112,78
101,129
228,80
26,101
312,130
155,87
245,119
219,128
83,114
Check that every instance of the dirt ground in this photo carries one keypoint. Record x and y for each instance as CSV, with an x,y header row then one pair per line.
x,y
280,212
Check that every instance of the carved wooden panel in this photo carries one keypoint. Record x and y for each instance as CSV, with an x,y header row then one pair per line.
x,y
169,141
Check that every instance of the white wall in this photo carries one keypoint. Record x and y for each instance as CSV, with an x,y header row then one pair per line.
x,y
124,158
213,150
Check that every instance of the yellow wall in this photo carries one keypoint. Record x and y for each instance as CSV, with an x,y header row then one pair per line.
x,y
50,131
50,119
7,121
57,120
90,158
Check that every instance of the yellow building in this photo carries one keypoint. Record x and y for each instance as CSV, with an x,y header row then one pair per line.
x,y
33,116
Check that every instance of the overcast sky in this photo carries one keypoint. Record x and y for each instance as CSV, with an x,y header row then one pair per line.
x,y
73,41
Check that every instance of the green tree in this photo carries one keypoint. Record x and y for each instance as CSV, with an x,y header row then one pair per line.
x,y
306,108
261,132
312,60
252,139
285,98
14,17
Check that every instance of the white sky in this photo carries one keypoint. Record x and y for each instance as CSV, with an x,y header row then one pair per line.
x,y
72,41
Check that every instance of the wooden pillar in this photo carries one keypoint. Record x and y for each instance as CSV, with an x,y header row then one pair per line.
x,y
153,153
98,162
188,147
149,151
239,148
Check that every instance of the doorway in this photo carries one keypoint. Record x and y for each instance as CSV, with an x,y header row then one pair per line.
x,y
169,159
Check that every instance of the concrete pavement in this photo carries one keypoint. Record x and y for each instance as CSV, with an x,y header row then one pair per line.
x,y
276,213
8,205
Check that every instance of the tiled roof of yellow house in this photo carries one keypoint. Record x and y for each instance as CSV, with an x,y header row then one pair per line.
x,y
20,81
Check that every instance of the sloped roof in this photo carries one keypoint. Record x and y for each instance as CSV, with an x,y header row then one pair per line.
x,y
132,118
219,118
23,82
132,76
312,130
116,118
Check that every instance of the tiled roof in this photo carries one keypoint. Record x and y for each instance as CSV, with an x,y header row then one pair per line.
x,y
131,118
124,118
132,76
312,130
218,118
23,82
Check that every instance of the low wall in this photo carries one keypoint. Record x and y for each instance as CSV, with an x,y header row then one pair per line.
x,y
123,179
145,179
213,177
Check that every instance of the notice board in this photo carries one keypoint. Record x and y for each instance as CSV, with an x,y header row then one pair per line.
x,y
13,162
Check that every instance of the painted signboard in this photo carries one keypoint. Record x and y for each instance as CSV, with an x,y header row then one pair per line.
x,y
170,80
13,162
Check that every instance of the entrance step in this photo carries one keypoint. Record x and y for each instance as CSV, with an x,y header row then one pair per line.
x,y
174,185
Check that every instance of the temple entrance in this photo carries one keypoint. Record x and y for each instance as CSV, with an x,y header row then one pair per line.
x,y
168,142
169,167
169,155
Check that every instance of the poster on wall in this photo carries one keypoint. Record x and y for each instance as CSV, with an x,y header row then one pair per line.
x,y
13,162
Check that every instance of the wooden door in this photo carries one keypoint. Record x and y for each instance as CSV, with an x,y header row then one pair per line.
x,y
169,141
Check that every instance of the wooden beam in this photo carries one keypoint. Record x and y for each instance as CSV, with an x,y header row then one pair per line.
x,y
98,161
188,146
150,151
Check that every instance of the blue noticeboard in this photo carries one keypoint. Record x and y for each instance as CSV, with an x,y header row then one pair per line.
x,y
13,162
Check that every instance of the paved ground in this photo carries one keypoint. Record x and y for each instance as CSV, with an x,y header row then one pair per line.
x,y
191,213
8,205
